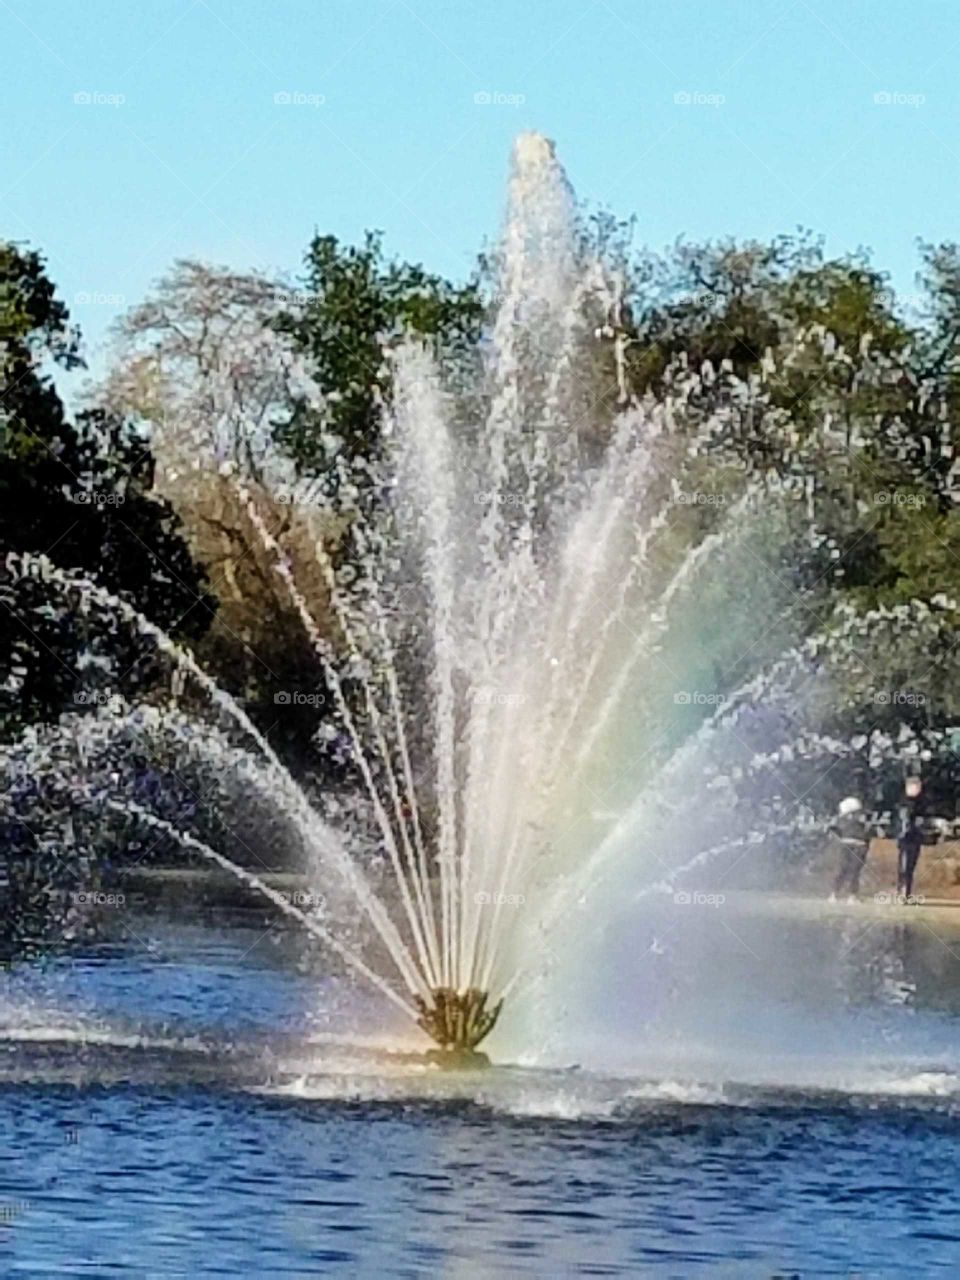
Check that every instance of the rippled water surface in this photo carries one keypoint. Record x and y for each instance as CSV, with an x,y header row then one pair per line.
x,y
174,1104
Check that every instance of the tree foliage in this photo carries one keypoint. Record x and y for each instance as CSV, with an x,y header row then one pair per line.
x,y
830,381
81,493
354,301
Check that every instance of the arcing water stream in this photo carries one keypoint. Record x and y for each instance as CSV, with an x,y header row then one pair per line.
x,y
541,675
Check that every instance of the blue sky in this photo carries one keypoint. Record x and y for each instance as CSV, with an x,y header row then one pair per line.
x,y
182,149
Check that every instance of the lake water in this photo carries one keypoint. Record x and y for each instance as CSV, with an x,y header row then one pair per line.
x,y
182,1102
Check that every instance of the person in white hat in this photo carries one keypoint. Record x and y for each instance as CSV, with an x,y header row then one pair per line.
x,y
850,833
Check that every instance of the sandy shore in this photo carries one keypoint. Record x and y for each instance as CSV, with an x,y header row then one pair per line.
x,y
936,887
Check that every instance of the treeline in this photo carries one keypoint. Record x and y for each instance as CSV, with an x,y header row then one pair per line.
x,y
824,378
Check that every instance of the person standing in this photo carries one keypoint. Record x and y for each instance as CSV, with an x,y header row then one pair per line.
x,y
850,834
910,835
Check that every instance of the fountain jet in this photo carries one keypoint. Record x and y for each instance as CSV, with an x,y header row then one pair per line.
x,y
511,634
458,1021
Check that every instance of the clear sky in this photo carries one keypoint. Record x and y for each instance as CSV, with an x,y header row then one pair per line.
x,y
182,149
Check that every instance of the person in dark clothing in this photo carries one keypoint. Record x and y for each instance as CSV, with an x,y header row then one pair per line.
x,y
852,840
910,835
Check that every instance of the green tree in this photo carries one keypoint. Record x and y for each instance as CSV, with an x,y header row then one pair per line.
x,y
79,493
354,301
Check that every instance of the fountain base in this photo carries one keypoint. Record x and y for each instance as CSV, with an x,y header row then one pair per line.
x,y
458,1021
458,1059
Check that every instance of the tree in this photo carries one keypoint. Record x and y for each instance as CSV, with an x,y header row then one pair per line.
x,y
827,382
354,300
80,493
200,363
200,366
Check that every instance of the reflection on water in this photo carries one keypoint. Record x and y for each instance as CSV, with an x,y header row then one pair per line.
x,y
187,1183
779,989
176,1105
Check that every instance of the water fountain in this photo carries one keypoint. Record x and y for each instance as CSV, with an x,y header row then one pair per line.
x,y
505,677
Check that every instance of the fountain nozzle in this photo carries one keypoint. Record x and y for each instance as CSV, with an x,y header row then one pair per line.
x,y
458,1021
